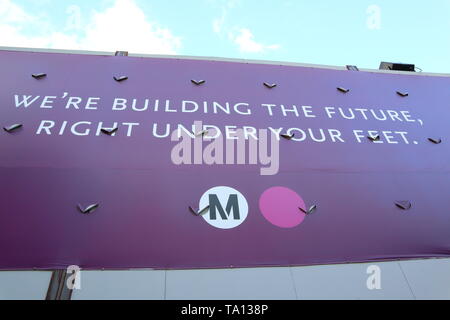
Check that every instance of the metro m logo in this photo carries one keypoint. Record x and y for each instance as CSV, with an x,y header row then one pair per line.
x,y
227,207
232,205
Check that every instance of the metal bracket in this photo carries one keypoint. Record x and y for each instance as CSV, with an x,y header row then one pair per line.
x,y
344,90
287,136
404,205
121,53
309,211
402,94
121,78
270,86
39,75
109,131
199,212
198,82
201,133
374,138
89,209
13,127
352,68
435,141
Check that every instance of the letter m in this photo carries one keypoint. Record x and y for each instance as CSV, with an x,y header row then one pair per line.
x,y
232,204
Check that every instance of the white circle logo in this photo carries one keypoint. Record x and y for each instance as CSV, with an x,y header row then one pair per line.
x,y
227,207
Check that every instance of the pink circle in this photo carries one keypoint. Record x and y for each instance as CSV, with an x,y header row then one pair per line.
x,y
280,206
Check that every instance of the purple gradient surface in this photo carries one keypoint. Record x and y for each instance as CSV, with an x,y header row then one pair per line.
x,y
143,219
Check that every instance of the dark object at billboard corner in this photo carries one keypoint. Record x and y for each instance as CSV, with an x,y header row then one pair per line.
x,y
121,53
397,66
352,67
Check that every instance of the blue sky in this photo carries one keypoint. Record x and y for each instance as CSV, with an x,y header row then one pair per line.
x,y
329,32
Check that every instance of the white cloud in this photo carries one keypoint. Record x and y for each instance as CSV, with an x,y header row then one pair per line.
x,y
246,43
242,37
123,26
219,22
11,13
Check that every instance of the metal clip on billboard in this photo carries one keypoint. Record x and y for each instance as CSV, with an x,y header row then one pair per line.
x,y
132,162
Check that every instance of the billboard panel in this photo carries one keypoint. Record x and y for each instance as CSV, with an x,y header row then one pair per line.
x,y
131,162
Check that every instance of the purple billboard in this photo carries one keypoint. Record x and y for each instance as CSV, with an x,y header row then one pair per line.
x,y
130,162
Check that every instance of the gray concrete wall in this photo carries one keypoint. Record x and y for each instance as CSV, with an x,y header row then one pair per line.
x,y
415,279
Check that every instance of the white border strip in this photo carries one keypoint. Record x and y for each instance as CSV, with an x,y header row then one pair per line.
x,y
180,57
